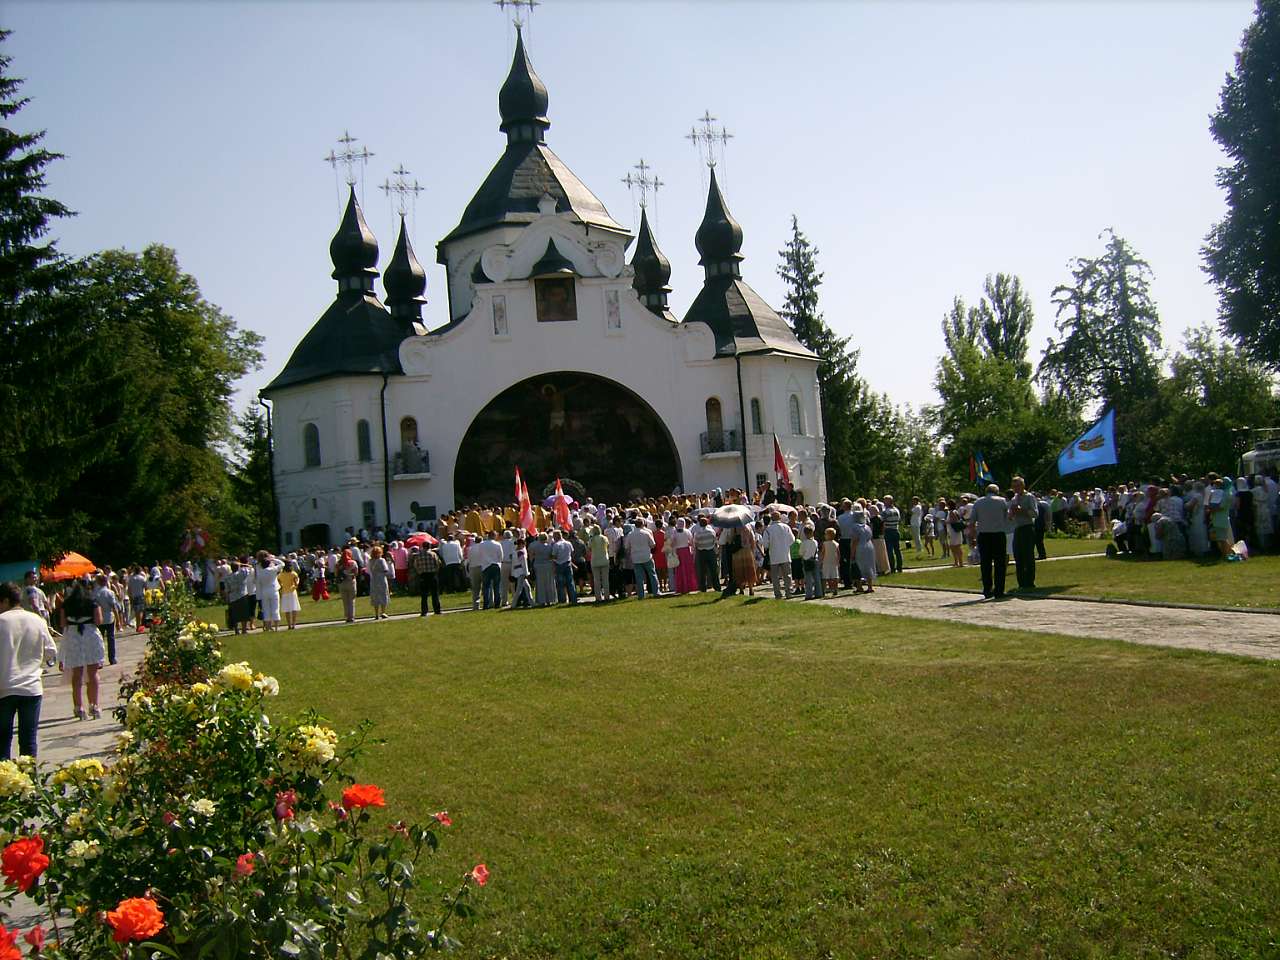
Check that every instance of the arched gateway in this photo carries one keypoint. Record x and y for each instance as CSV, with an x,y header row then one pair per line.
x,y
566,424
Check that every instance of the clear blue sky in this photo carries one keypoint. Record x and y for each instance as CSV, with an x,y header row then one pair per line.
x,y
921,145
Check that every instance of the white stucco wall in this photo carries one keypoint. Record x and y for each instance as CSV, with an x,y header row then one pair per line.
x,y
451,376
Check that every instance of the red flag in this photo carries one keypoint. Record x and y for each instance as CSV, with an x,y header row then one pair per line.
x,y
560,509
779,464
526,511
519,486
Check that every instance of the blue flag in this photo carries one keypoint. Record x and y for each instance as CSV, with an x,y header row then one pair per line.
x,y
1096,447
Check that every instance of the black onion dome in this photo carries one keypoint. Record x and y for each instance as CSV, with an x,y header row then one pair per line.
x,y
353,250
553,263
652,269
719,237
404,278
523,97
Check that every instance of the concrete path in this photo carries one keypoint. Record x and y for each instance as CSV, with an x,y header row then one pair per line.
x,y
1240,633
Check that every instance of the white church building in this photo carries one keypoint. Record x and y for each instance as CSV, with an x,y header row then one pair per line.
x,y
560,358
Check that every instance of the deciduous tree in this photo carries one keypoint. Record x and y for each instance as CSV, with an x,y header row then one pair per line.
x,y
1242,252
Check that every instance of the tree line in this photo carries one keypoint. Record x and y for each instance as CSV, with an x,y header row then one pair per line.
x,y
116,387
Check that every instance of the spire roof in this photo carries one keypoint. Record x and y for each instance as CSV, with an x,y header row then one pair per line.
x,y
353,249
741,321
523,100
652,269
356,336
404,279
719,236
528,168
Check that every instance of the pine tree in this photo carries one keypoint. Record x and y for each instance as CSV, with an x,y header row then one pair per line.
x,y
46,367
845,400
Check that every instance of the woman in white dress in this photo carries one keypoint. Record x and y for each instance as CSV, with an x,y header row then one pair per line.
x,y
81,650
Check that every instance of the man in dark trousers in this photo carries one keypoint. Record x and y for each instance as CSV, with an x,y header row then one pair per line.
x,y
1023,511
991,517
425,562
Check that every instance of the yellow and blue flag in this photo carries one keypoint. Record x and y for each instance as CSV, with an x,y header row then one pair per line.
x,y
978,472
1096,447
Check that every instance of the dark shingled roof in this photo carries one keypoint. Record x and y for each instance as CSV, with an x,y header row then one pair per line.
x,y
510,194
738,315
355,335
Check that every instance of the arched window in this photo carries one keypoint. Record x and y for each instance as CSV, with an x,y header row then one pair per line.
x,y
408,432
797,422
715,422
311,445
364,443
756,422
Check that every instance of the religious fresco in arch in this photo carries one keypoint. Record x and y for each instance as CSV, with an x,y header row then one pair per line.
x,y
571,425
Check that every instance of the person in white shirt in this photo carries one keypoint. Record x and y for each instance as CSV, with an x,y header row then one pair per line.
x,y
266,573
777,541
917,517
809,547
639,547
25,647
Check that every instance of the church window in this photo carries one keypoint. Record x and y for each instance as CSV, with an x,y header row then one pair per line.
x,y
715,421
311,445
556,299
756,426
500,328
408,432
797,422
369,514
364,443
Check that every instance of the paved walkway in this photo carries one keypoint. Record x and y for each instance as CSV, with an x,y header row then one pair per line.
x,y
1244,634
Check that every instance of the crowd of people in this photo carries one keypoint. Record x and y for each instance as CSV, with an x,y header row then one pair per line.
x,y
724,541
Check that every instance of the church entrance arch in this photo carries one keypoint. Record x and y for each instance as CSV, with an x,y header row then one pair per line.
x,y
573,425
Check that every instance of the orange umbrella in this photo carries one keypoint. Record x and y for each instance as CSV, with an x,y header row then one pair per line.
x,y
72,565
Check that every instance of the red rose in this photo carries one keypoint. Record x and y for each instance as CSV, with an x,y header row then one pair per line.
x,y
480,874
23,861
137,918
443,818
285,801
360,795
35,937
7,949
244,865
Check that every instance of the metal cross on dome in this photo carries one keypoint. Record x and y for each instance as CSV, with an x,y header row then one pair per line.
x,y
642,183
349,157
705,140
398,185
528,4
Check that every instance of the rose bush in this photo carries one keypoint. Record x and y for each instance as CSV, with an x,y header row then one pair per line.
x,y
214,832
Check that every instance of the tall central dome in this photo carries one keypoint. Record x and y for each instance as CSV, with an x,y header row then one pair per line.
x,y
527,169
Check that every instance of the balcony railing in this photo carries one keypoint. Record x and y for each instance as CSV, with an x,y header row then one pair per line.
x,y
410,460
722,441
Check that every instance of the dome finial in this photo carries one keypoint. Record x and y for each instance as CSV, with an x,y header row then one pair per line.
x,y
523,100
652,269
353,249
405,280
719,236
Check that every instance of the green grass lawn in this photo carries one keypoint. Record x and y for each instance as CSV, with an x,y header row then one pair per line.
x,y
1254,583
1054,547
690,778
